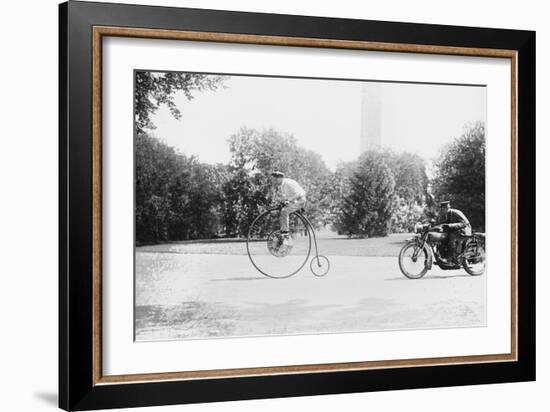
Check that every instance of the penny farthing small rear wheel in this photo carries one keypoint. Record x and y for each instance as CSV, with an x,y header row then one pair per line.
x,y
319,265
273,255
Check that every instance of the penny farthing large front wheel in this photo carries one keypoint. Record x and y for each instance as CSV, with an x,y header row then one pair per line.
x,y
273,255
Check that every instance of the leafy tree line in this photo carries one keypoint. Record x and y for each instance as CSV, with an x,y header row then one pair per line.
x,y
383,192
179,198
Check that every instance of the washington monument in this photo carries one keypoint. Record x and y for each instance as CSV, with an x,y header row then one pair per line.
x,y
371,116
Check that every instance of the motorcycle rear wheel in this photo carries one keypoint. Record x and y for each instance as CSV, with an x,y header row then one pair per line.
x,y
410,267
475,267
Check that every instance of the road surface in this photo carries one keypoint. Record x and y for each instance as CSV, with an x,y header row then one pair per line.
x,y
182,294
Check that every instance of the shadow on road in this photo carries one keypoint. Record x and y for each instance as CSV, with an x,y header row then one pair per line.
x,y
240,278
428,277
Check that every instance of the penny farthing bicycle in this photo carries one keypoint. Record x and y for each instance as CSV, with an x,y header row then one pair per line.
x,y
276,258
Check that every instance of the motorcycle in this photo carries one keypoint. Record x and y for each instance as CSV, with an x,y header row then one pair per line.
x,y
430,247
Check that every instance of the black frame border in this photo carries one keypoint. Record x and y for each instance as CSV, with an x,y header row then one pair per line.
x,y
76,387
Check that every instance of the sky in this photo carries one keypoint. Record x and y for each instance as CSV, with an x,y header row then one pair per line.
x,y
323,115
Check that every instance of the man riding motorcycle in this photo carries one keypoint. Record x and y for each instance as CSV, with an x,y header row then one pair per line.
x,y
456,224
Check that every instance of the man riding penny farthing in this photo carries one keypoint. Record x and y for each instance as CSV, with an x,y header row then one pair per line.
x,y
279,240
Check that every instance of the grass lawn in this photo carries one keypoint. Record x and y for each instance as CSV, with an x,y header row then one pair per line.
x,y
330,244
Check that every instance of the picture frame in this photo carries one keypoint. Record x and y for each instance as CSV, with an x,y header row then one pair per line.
x,y
82,28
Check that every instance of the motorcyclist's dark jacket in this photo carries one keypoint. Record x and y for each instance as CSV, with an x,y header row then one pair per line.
x,y
457,222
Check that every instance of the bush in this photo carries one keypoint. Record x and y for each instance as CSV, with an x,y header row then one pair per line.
x,y
177,198
405,215
366,208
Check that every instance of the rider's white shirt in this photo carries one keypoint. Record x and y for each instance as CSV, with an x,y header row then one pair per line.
x,y
292,190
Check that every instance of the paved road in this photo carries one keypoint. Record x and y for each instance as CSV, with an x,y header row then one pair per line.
x,y
189,295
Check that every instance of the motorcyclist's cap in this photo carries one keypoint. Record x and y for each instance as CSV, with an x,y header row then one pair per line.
x,y
446,203
277,174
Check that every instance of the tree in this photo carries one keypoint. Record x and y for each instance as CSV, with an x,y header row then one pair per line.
x,y
411,181
254,155
410,192
195,199
156,166
154,89
177,197
405,215
366,208
460,174
340,188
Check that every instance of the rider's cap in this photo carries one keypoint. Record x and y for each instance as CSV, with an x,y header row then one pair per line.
x,y
445,203
277,174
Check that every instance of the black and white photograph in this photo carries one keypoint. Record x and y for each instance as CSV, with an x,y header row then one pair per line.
x,y
270,206
249,206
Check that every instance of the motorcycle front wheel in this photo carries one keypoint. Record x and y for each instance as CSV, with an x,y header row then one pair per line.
x,y
413,260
